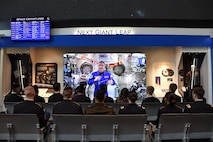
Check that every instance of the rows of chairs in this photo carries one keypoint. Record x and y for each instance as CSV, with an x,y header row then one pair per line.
x,y
172,126
151,108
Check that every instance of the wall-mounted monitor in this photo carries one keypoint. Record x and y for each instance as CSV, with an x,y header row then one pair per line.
x,y
30,29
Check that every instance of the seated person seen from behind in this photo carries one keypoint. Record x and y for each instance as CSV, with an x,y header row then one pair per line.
x,y
199,105
56,96
108,99
14,95
67,106
37,97
149,95
123,96
172,89
132,107
170,107
31,107
99,107
81,97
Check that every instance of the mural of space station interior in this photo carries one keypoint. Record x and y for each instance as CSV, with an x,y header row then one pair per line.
x,y
128,71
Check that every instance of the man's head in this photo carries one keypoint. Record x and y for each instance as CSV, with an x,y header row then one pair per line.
x,y
29,91
57,86
16,88
172,87
80,89
36,89
170,98
133,96
68,92
100,96
198,93
150,90
101,66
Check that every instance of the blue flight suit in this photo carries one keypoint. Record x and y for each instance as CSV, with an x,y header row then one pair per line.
x,y
105,77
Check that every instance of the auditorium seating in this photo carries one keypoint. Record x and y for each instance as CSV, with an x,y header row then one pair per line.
x,y
201,126
20,127
99,127
152,110
173,126
9,106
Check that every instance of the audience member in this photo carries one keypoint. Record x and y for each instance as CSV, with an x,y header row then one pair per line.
x,y
37,97
31,107
132,107
199,105
56,96
172,89
14,95
81,97
149,95
67,106
123,96
99,107
170,107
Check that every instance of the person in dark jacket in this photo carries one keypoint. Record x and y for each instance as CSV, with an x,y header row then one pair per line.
x,y
37,97
170,107
67,106
172,89
31,107
81,97
14,95
99,106
199,105
132,107
149,95
56,96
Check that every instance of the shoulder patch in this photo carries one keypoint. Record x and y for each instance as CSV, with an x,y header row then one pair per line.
x,y
122,107
76,103
162,107
143,107
109,106
38,104
188,106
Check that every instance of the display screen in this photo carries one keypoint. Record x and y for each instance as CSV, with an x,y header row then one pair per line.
x,y
36,28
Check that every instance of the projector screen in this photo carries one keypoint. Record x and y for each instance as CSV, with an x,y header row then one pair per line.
x,y
127,69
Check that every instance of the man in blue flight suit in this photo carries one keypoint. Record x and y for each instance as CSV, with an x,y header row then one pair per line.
x,y
101,77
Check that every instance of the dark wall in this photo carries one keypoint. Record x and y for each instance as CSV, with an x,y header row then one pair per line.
x,y
189,13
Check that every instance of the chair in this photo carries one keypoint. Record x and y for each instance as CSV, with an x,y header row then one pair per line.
x,y
173,126
48,107
201,126
22,127
152,110
4,133
116,106
67,127
84,105
131,127
100,127
9,106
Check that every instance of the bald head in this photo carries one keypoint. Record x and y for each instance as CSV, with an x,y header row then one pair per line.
x,y
29,91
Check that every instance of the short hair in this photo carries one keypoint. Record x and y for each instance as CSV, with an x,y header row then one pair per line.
x,y
199,91
100,95
14,86
36,89
170,96
29,91
103,87
68,91
172,87
150,90
80,89
133,96
124,94
56,86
